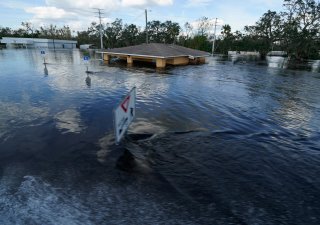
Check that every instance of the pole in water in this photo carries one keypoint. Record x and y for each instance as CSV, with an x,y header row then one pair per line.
x,y
146,14
88,80
214,37
45,70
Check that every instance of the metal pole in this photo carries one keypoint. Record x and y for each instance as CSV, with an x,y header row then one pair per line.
x,y
214,37
146,12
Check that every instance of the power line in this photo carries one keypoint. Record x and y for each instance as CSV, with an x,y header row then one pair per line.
x,y
136,18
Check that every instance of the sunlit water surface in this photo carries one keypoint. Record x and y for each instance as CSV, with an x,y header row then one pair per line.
x,y
234,142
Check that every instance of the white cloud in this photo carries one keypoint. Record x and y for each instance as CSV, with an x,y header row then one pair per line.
x,y
85,5
45,15
78,14
107,5
198,3
43,12
69,121
130,3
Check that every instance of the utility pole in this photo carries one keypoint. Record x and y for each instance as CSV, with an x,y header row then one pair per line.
x,y
146,12
100,26
214,37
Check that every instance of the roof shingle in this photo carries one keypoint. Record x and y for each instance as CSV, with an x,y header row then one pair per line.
x,y
157,50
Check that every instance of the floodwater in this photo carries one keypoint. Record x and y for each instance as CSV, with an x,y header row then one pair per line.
x,y
228,142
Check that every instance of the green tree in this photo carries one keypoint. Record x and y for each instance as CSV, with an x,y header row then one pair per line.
x,y
166,32
226,42
29,30
155,31
83,37
203,26
171,31
112,34
129,35
301,25
5,32
267,31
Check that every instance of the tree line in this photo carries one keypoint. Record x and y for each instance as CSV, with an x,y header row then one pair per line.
x,y
27,30
295,30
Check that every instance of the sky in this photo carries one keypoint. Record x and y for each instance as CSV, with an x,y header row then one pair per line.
x,y
78,14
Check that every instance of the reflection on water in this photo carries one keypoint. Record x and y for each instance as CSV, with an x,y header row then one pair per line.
x,y
69,121
88,81
45,70
234,141
277,62
14,115
294,116
315,66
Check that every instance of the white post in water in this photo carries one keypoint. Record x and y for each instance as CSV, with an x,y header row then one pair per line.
x,y
86,62
124,114
43,53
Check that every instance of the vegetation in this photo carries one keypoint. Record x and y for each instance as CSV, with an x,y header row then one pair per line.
x,y
294,30
117,34
28,31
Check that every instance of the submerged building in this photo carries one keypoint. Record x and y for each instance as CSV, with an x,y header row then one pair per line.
x,y
14,42
160,54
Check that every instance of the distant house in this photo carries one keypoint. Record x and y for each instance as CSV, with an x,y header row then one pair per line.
x,y
245,53
158,53
278,53
87,46
13,42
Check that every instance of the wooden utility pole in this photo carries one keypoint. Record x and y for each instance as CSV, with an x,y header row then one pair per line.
x,y
214,36
100,25
146,12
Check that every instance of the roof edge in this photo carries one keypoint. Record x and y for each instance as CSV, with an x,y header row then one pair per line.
x,y
151,56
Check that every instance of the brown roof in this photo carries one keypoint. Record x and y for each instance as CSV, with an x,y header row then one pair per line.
x,y
157,50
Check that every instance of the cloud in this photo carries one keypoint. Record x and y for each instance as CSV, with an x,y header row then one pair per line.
x,y
107,5
130,3
198,3
85,5
80,13
44,13
69,121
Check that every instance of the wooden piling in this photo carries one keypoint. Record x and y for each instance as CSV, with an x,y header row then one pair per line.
x,y
160,63
129,59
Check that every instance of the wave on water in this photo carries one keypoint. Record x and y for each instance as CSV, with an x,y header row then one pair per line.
x,y
37,202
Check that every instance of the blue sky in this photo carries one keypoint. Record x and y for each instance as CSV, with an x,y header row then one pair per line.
x,y
78,14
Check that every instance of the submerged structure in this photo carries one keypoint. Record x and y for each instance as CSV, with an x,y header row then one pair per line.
x,y
160,54
15,42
